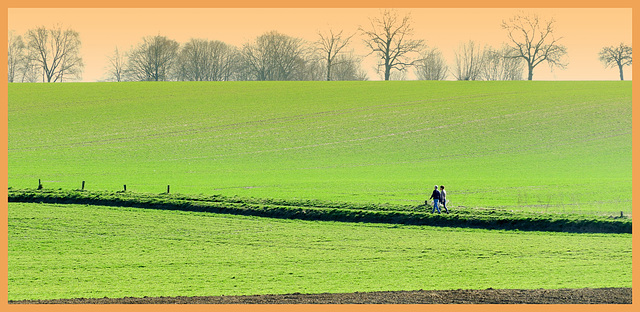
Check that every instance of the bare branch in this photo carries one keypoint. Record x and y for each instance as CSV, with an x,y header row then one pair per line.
x,y
56,52
431,66
620,56
389,39
152,59
330,45
274,56
533,41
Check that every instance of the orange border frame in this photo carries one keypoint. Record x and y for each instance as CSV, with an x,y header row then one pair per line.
x,y
295,4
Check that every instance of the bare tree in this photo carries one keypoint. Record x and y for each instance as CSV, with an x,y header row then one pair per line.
x,y
152,59
56,51
432,66
310,68
330,45
204,60
469,61
116,66
30,70
275,56
242,72
512,67
620,55
348,67
15,56
534,41
499,65
398,75
389,38
492,69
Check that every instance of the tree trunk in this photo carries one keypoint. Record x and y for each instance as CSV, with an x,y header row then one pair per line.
x,y
530,77
621,72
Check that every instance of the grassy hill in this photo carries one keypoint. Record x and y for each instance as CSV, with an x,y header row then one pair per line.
x,y
534,146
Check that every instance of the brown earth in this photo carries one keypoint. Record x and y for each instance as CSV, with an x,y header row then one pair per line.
x,y
487,296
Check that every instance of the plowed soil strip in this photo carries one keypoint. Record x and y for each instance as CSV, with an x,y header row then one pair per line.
x,y
488,296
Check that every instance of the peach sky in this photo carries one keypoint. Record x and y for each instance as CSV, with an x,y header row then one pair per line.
x,y
584,31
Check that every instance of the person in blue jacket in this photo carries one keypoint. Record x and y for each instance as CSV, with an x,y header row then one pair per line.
x,y
436,197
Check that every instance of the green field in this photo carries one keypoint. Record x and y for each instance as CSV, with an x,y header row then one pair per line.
x,y
516,155
536,146
72,251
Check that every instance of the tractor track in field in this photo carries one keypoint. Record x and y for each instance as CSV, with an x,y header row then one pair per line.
x,y
487,296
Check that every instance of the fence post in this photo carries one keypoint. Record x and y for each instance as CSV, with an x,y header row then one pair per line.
x,y
168,188
39,184
125,187
83,185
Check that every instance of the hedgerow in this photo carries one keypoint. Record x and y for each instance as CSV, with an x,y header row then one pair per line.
x,y
333,211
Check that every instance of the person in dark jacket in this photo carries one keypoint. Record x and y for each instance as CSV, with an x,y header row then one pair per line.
x,y
436,197
443,198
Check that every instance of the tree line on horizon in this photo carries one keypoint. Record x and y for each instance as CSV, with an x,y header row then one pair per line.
x,y
53,55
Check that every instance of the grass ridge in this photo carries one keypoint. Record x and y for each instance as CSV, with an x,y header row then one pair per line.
x,y
332,211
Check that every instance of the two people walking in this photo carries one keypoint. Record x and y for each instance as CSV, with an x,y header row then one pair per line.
x,y
439,197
